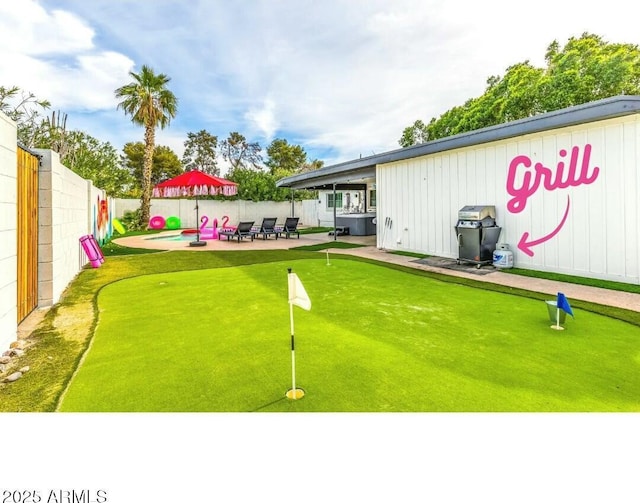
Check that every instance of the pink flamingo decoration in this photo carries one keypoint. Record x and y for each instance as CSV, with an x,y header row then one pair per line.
x,y
215,228
225,221
206,233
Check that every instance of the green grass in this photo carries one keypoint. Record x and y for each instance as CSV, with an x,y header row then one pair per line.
x,y
314,230
57,345
409,254
376,339
112,249
328,245
599,283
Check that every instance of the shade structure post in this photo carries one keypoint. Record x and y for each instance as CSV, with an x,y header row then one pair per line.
x,y
335,229
197,242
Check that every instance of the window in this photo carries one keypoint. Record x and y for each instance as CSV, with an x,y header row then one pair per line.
x,y
338,201
372,198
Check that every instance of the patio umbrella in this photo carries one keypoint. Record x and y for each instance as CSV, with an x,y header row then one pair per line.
x,y
193,184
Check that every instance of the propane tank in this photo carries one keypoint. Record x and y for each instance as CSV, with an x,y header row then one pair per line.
x,y
502,256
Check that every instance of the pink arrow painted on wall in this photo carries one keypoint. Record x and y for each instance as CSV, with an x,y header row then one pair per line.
x,y
525,246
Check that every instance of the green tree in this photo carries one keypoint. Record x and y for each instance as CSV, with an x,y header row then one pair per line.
x,y
585,69
165,164
285,158
257,185
99,162
81,153
588,69
200,152
53,132
238,152
24,108
311,166
415,134
151,105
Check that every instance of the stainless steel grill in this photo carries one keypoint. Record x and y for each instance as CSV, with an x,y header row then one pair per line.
x,y
477,234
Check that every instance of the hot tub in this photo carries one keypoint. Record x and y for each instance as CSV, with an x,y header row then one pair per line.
x,y
360,224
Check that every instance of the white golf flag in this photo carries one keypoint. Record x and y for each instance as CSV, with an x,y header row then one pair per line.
x,y
297,293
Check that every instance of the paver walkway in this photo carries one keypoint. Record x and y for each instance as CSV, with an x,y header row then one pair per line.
x,y
603,296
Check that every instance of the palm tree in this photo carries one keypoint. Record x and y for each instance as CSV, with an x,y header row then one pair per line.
x,y
150,104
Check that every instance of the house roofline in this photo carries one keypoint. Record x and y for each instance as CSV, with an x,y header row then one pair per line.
x,y
358,169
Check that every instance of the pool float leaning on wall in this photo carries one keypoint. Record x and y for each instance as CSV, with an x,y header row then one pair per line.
x,y
173,223
157,222
117,225
92,249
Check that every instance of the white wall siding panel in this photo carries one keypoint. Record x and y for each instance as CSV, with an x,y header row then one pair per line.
x,y
614,209
631,193
589,172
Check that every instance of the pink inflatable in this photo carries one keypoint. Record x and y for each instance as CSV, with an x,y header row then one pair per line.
x,y
206,233
157,222
225,221
92,249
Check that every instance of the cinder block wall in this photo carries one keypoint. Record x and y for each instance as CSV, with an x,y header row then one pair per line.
x,y
65,212
8,230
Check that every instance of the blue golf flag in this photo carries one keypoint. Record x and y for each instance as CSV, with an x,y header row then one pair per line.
x,y
563,304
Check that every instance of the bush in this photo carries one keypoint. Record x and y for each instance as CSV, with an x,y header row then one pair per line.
x,y
132,220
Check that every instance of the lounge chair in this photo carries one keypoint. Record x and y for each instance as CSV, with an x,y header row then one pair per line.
x,y
268,228
242,231
290,227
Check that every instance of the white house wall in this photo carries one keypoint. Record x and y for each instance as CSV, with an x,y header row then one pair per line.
x,y
600,236
325,214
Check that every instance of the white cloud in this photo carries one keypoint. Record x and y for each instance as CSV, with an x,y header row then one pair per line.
x,y
340,75
52,55
28,28
63,33
263,119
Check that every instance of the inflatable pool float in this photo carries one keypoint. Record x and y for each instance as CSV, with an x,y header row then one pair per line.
x,y
157,222
173,223
92,249
117,225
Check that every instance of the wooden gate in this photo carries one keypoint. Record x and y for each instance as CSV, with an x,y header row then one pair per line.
x,y
27,232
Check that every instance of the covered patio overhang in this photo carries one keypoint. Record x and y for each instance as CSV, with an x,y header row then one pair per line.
x,y
356,176
327,179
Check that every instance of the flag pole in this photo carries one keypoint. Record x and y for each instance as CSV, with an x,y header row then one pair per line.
x,y
293,393
557,325
293,355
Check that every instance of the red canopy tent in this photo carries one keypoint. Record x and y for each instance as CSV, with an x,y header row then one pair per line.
x,y
193,184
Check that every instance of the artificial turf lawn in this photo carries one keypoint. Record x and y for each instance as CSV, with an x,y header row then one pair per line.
x,y
376,339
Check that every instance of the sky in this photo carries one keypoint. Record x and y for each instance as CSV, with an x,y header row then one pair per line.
x,y
341,78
